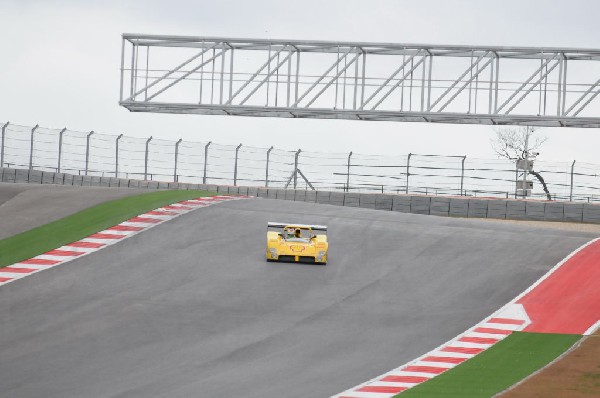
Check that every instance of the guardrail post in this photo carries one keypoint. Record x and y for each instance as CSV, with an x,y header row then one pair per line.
x,y
146,159
205,161
31,147
175,178
237,149
87,151
60,141
2,144
407,171
267,167
296,167
572,170
462,174
348,173
117,155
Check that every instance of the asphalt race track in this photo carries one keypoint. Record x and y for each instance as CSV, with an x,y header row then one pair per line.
x,y
192,309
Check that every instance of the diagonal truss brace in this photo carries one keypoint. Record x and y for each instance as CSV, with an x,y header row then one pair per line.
x,y
399,82
256,74
389,79
182,77
267,77
477,72
166,75
465,73
322,77
581,99
534,74
333,79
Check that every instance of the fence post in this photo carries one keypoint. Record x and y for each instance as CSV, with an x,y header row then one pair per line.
x,y
572,170
462,174
407,171
146,159
2,144
87,151
117,155
296,167
31,147
60,140
348,173
175,178
237,149
267,167
205,160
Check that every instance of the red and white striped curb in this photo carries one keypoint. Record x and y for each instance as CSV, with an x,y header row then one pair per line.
x,y
512,317
106,238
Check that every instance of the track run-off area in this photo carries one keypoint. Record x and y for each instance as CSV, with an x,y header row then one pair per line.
x,y
191,308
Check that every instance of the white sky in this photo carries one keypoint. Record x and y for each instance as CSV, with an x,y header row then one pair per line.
x,y
59,65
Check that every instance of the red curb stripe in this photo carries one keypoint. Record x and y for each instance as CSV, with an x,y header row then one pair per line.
x,y
144,220
177,207
463,350
382,389
88,245
18,270
106,236
39,261
479,340
404,379
5,279
424,369
161,213
125,228
190,203
493,331
67,253
506,321
444,359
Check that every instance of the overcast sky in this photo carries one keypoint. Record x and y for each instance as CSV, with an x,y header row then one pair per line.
x,y
59,65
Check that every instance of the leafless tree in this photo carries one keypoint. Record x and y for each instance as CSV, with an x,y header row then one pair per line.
x,y
510,143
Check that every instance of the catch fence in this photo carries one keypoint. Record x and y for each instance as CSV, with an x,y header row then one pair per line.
x,y
91,153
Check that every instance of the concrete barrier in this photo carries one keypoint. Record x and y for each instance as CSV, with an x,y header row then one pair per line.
x,y
440,206
418,204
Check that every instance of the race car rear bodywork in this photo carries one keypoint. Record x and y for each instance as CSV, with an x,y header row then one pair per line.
x,y
297,243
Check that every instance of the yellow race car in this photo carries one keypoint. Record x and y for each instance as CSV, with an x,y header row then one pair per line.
x,y
297,243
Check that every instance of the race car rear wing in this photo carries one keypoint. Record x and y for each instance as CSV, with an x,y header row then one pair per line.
x,y
283,225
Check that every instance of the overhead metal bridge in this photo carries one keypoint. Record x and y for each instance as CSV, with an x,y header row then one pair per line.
x,y
555,87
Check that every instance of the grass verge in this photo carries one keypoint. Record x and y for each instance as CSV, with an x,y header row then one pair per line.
x,y
86,222
497,368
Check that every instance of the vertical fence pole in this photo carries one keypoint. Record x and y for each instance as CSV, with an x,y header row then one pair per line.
x,y
2,144
348,173
296,167
31,147
60,141
175,178
205,161
462,174
237,149
572,170
267,167
87,151
146,158
407,171
117,155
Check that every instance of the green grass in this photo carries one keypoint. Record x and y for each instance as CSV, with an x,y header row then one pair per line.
x,y
84,223
497,368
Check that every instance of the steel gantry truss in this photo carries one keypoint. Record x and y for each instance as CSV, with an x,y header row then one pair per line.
x,y
362,81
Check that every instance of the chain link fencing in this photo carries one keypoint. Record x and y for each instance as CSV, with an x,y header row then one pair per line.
x,y
91,153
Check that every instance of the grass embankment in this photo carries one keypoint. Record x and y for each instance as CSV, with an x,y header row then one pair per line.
x,y
497,368
86,222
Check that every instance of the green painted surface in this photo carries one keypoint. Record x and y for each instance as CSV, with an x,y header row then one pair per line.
x,y
86,222
497,368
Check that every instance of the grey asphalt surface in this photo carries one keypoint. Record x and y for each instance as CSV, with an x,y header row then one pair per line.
x,y
26,206
192,309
